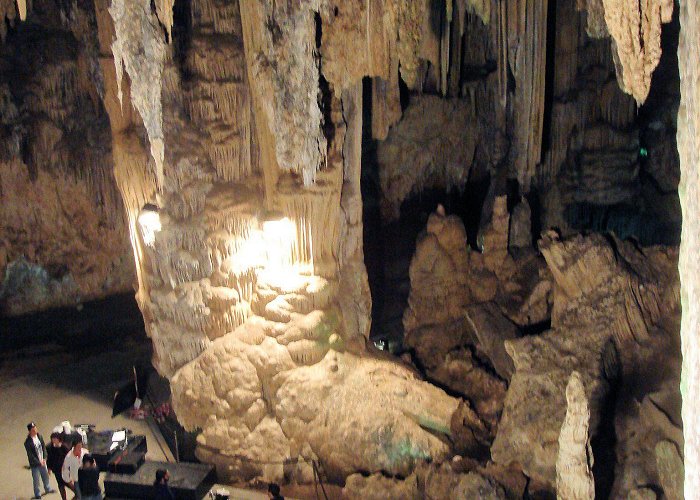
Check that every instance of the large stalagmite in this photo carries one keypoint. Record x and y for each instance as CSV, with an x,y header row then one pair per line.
x,y
243,258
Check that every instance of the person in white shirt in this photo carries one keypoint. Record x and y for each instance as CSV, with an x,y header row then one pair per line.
x,y
71,464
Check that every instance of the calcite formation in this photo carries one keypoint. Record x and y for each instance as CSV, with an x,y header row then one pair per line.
x,y
63,233
635,28
430,482
608,298
575,459
243,262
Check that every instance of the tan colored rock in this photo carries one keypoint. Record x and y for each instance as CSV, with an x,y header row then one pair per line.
x,y
575,459
232,385
593,303
636,33
438,274
429,481
442,482
491,329
519,232
642,494
63,232
440,336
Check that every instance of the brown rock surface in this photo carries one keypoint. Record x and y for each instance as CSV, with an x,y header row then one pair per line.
x,y
618,301
63,234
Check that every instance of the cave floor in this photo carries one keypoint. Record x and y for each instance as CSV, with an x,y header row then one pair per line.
x,y
48,384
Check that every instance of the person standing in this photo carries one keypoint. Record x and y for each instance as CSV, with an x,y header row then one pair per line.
x,y
88,479
273,491
162,490
56,453
71,465
36,454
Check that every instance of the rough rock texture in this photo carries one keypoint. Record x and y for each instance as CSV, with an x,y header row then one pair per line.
x,y
575,459
670,467
379,487
247,237
428,148
63,236
236,139
635,29
688,123
429,482
444,338
608,298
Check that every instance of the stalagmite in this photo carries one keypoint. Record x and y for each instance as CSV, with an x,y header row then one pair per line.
x,y
575,459
252,184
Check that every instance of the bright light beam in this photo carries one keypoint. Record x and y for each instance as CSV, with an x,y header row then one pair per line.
x,y
279,236
149,221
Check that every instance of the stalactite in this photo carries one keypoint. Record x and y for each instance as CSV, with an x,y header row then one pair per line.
x,y
164,11
317,222
287,72
527,36
22,8
635,29
138,47
386,103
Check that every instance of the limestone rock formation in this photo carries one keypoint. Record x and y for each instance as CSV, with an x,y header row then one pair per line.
x,y
235,132
63,234
688,121
636,33
444,338
428,148
606,292
248,240
575,458
379,487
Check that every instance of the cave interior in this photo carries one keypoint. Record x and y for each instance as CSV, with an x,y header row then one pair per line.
x,y
433,245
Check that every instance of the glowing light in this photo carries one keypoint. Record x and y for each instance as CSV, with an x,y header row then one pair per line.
x,y
149,221
279,237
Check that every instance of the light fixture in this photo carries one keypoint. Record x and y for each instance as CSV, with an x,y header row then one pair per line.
x,y
149,222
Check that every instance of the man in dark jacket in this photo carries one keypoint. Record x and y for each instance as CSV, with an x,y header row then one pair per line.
x,y
36,454
88,479
56,454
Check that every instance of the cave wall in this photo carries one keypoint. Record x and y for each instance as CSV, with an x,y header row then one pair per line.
x,y
560,126
63,239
